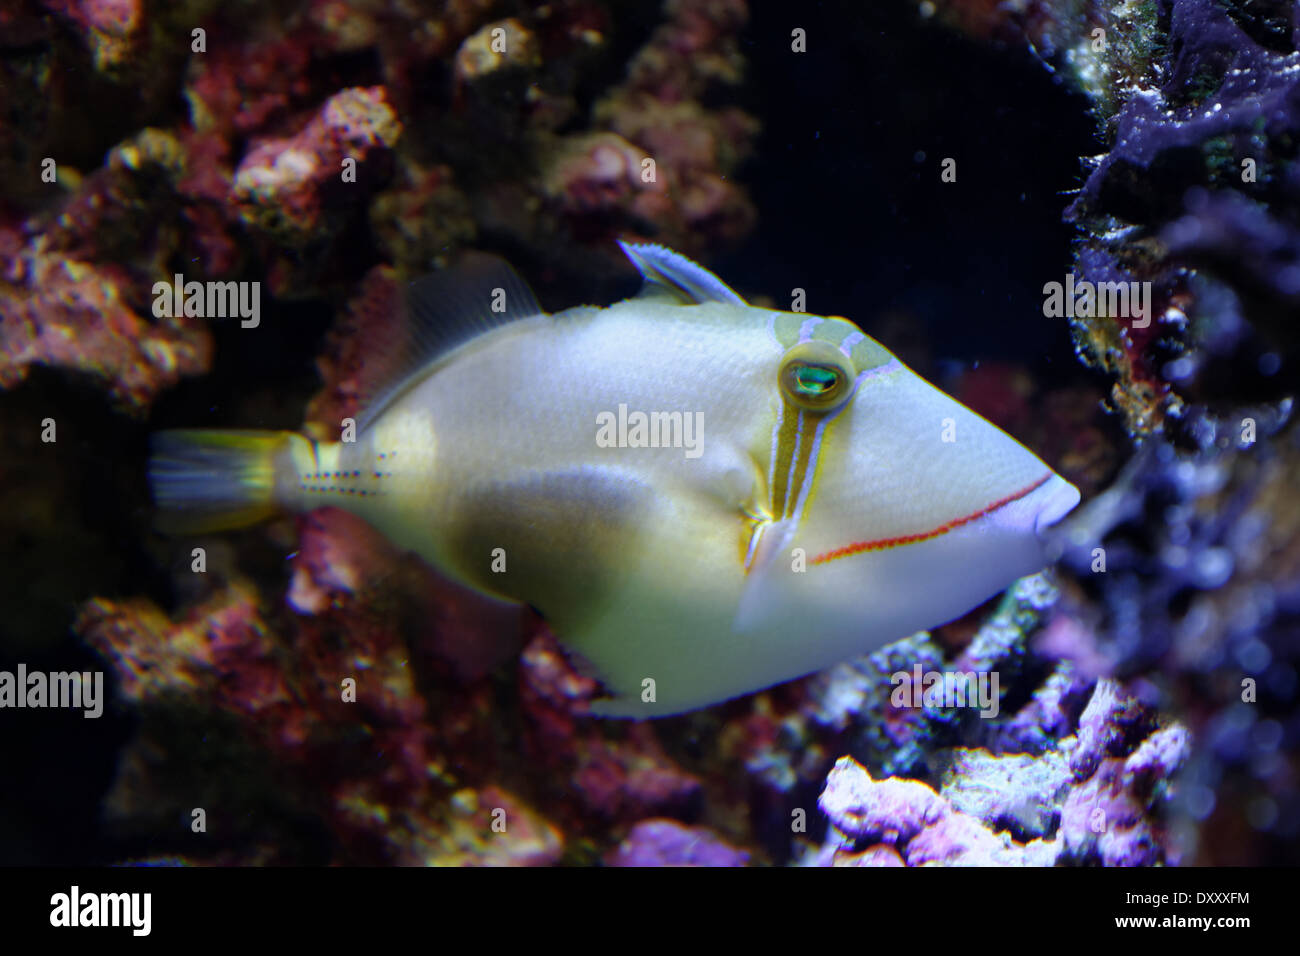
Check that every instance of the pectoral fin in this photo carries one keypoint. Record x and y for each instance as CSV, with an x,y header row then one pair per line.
x,y
559,541
767,581
639,583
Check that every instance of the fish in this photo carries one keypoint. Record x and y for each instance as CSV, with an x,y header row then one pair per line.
x,y
703,498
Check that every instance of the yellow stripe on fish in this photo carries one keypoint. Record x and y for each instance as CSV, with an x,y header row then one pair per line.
x,y
703,498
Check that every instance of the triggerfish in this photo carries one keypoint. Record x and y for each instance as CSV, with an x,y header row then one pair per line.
x,y
701,497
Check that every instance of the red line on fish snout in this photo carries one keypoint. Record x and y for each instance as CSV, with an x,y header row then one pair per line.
x,y
881,544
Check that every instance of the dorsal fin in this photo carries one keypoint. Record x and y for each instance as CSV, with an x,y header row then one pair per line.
x,y
670,273
444,310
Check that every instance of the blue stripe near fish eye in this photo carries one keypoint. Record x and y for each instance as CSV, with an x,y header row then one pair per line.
x,y
850,340
806,330
893,365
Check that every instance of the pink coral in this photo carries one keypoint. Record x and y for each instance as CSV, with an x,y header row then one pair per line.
x,y
112,26
66,312
290,186
249,183
683,196
623,778
238,88
602,171
362,349
337,696
346,718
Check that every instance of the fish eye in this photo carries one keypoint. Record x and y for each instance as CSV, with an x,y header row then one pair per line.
x,y
816,376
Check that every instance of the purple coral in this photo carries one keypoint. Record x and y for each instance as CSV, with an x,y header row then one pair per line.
x,y
870,817
669,843
1100,795
890,810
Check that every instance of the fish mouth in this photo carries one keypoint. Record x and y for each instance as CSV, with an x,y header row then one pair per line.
x,y
1056,499
1030,513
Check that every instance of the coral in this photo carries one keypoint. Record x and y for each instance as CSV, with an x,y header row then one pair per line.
x,y
58,309
661,167
1100,794
363,348
240,89
420,216
599,171
506,44
1103,46
1050,712
458,749
892,810
1016,793
1202,597
343,722
490,827
878,855
1184,572
870,818
1184,567
1194,196
112,27
297,188
398,785
247,179
66,299
625,778
668,843
1117,781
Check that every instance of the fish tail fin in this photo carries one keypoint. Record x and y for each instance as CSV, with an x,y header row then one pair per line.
x,y
208,480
